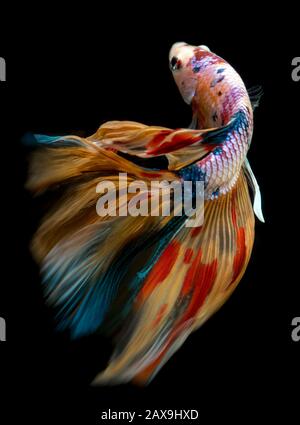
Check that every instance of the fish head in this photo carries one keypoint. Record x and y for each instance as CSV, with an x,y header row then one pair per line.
x,y
187,64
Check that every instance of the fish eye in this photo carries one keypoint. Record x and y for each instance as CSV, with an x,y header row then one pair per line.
x,y
175,63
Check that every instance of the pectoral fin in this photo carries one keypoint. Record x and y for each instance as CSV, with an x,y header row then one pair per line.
x,y
256,190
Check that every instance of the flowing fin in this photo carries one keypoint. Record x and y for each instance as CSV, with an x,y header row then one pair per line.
x,y
84,257
255,187
255,94
181,147
72,157
171,277
38,140
146,141
191,279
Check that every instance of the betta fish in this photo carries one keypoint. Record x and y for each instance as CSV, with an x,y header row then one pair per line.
x,y
149,281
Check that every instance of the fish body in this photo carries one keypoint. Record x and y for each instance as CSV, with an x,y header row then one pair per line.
x,y
217,95
150,280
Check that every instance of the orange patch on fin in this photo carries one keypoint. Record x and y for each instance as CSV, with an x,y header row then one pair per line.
x,y
201,289
205,275
161,269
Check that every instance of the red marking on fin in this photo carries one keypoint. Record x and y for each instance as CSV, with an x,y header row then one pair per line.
x,y
161,269
151,175
178,141
196,231
201,290
111,149
190,275
239,258
159,137
233,211
207,273
200,278
188,256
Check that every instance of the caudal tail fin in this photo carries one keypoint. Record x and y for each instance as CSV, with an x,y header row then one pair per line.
x,y
151,276
191,279
88,261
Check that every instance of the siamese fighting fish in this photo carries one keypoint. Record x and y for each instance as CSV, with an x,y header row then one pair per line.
x,y
148,281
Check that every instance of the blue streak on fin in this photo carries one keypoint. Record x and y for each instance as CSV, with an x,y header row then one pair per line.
x,y
38,140
70,278
83,293
32,140
125,259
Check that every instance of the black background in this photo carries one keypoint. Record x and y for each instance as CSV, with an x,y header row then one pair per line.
x,y
69,75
